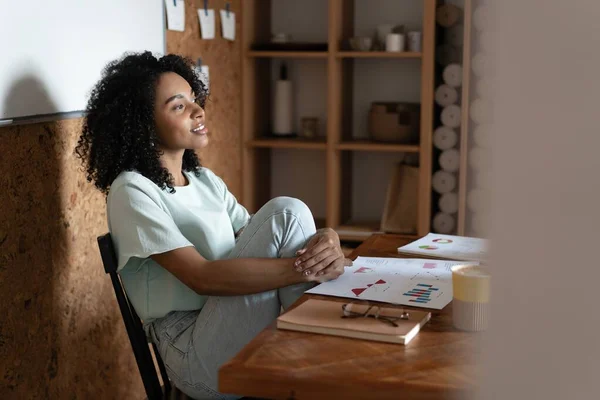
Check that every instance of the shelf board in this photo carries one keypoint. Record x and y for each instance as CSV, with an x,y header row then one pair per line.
x,y
378,54
360,231
286,54
357,231
368,145
289,143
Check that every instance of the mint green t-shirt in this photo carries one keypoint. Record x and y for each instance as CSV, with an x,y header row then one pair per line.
x,y
144,220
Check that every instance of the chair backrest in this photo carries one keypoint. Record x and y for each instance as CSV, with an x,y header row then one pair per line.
x,y
133,324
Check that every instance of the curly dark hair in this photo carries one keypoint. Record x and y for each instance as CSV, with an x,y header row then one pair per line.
x,y
119,131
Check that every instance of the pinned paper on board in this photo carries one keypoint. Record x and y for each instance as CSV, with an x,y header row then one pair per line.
x,y
207,23
175,15
228,23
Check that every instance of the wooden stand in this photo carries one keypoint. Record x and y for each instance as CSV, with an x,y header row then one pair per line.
x,y
338,143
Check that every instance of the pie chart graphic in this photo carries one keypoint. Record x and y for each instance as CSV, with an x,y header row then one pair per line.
x,y
428,247
442,241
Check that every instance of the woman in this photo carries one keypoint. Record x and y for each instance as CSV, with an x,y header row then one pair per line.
x,y
202,274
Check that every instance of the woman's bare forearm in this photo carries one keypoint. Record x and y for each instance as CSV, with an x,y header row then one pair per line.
x,y
236,276
248,275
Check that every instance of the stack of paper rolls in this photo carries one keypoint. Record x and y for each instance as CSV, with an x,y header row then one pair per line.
x,y
480,109
445,137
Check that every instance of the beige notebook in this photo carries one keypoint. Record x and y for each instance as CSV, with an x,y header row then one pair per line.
x,y
325,317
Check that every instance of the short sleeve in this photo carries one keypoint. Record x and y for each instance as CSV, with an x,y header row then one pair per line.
x,y
139,226
238,214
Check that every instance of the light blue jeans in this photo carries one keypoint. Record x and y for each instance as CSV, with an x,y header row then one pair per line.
x,y
194,344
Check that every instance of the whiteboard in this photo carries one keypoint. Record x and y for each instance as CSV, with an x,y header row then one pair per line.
x,y
53,51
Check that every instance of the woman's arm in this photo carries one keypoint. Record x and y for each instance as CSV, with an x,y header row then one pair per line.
x,y
229,277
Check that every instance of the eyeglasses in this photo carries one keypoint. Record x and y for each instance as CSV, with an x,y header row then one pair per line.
x,y
373,311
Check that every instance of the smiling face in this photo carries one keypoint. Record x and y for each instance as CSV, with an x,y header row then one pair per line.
x,y
180,121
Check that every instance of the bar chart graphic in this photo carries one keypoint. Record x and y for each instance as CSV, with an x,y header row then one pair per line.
x,y
421,293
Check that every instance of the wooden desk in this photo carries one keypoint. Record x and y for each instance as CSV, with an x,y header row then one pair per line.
x,y
438,363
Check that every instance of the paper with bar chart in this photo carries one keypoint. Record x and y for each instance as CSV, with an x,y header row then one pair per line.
x,y
407,281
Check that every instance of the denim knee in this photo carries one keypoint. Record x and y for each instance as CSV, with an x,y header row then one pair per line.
x,y
292,205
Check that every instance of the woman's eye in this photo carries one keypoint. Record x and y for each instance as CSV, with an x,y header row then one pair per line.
x,y
178,107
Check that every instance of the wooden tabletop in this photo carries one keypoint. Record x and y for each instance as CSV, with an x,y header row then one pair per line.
x,y
438,363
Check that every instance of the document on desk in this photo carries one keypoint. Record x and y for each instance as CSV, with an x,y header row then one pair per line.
x,y
413,282
448,247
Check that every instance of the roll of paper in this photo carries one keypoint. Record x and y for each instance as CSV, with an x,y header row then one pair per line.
x,y
485,40
443,223
480,224
443,181
481,135
454,35
481,179
478,200
446,54
446,15
283,108
446,95
450,160
448,202
480,111
452,75
484,89
444,138
481,18
479,158
480,65
451,116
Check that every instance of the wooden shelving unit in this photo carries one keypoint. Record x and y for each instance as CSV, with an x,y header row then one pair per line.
x,y
338,145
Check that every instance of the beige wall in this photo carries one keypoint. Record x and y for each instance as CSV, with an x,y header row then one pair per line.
x,y
544,338
61,334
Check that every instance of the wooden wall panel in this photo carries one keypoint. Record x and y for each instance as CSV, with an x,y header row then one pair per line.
x,y
61,334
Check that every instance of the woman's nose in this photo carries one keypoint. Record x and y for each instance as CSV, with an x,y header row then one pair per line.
x,y
198,113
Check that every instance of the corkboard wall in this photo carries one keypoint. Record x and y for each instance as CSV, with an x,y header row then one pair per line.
x,y
223,112
61,334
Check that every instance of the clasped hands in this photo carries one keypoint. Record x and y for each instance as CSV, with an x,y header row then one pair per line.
x,y
322,258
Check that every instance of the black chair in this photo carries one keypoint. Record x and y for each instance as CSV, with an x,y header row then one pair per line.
x,y
137,336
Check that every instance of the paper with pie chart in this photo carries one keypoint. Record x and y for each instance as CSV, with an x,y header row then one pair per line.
x,y
448,247
407,281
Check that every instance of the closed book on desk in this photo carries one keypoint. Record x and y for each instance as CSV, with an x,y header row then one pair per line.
x,y
325,317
